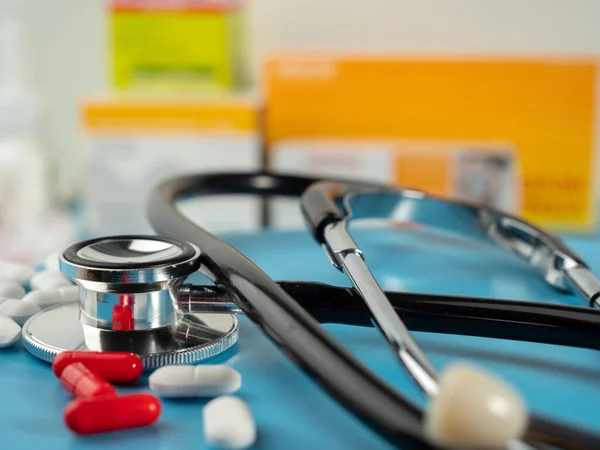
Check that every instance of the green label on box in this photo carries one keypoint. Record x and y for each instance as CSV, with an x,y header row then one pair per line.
x,y
174,50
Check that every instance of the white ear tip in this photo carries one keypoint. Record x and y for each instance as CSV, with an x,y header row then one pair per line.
x,y
474,409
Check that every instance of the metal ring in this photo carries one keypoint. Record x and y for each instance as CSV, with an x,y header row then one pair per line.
x,y
189,355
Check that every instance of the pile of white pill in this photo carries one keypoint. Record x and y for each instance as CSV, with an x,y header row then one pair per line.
x,y
228,420
46,288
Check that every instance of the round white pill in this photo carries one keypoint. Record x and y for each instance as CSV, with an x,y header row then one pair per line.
x,y
49,279
19,273
10,331
11,289
203,380
51,261
18,310
228,423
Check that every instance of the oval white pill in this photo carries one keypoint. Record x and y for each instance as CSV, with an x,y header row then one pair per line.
x,y
195,381
10,331
228,423
51,261
11,289
18,310
48,279
19,273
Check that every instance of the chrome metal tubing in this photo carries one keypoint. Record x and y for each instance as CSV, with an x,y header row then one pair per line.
x,y
585,282
344,254
348,257
202,299
154,309
330,202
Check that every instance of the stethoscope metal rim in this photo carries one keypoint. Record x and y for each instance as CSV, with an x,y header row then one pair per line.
x,y
100,275
192,353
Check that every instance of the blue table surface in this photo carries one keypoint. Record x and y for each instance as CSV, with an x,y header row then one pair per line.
x,y
291,411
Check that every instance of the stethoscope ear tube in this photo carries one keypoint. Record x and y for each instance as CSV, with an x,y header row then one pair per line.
x,y
322,209
321,203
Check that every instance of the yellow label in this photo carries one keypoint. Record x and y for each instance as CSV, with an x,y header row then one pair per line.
x,y
542,108
183,50
202,116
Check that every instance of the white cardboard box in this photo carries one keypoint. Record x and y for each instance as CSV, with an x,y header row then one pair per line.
x,y
131,145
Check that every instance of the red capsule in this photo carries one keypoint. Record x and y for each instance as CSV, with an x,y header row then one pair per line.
x,y
81,382
114,367
102,414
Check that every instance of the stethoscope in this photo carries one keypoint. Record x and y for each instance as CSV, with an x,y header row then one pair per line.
x,y
133,298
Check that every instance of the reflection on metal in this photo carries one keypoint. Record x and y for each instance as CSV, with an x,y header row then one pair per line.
x,y
128,301
145,271
347,256
559,265
194,338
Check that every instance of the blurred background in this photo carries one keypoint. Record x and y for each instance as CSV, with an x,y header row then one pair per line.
x,y
488,101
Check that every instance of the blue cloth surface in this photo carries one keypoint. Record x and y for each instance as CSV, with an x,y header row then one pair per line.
x,y
291,411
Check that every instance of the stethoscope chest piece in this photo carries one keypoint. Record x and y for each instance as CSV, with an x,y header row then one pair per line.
x,y
128,288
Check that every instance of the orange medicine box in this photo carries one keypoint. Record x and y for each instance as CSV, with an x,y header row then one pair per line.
x,y
542,109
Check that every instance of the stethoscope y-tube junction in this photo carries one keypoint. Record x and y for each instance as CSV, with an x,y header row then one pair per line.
x,y
289,313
